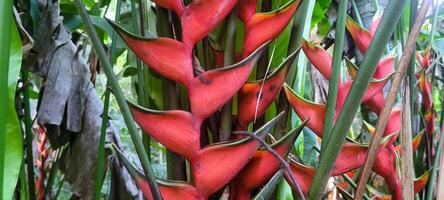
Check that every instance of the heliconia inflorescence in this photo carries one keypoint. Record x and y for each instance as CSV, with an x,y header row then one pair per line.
x,y
242,163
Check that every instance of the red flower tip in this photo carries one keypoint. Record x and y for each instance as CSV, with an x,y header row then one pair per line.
x,y
263,27
374,88
430,121
250,104
170,190
264,164
424,59
385,67
246,9
425,88
306,110
361,36
375,22
420,183
215,165
223,84
175,129
166,56
303,174
319,57
200,17
351,157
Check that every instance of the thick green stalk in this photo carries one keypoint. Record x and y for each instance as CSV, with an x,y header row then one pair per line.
x,y
5,42
28,137
121,101
104,125
335,72
354,98
230,46
175,163
411,69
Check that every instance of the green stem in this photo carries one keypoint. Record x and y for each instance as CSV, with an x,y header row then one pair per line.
x,y
354,98
175,163
334,77
356,13
28,137
230,45
121,101
104,125
5,46
434,21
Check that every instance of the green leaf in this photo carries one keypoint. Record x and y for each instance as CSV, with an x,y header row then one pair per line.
x,y
13,140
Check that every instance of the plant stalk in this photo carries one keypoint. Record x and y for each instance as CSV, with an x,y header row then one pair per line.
x,y
230,47
406,146
354,98
28,137
335,72
126,113
383,118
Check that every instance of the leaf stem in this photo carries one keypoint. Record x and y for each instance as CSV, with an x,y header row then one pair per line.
x,y
354,98
120,100
336,70
230,46
383,118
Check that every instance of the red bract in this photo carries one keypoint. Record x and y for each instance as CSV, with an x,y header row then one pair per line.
x,y
420,183
42,156
425,88
262,167
250,104
424,59
319,57
306,110
261,27
215,165
170,190
199,17
177,130
302,173
212,89
360,35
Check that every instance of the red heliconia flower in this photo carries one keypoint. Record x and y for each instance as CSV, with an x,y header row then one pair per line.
x,y
424,59
307,110
170,190
214,166
262,27
351,157
430,121
319,57
303,174
173,59
177,130
420,182
223,83
43,154
425,88
250,104
199,17
262,167
316,112
360,35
